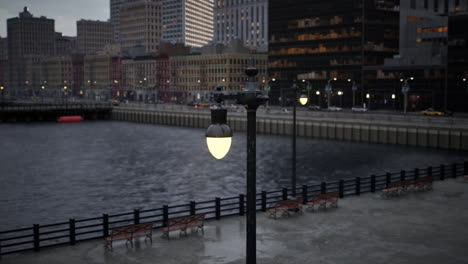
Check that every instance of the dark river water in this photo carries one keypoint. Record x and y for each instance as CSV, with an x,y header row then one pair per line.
x,y
52,172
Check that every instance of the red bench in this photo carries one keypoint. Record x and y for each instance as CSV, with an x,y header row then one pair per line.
x,y
422,184
286,206
396,188
182,223
129,233
322,200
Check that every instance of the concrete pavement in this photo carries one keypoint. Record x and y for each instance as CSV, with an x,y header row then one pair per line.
x,y
430,227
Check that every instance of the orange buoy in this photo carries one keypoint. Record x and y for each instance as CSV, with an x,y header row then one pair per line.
x,y
70,119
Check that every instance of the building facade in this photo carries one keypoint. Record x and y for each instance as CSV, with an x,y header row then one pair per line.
x,y
194,76
98,78
115,6
139,78
29,40
56,77
324,41
188,22
92,36
140,26
4,63
242,19
424,58
63,45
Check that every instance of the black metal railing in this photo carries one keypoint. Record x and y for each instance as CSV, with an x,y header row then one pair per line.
x,y
75,230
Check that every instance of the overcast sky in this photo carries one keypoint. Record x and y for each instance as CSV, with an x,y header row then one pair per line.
x,y
64,12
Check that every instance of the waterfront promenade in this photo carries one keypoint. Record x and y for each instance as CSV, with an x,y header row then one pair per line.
x,y
428,227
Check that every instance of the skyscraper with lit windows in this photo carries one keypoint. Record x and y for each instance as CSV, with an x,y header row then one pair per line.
x,y
187,21
242,19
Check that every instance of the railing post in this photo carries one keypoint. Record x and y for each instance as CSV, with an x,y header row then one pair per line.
x,y
72,232
285,193
241,204
358,185
264,201
442,172
304,194
372,183
341,188
37,245
192,208
165,215
105,225
402,175
465,168
218,208
136,216
323,188
429,171
388,178
454,170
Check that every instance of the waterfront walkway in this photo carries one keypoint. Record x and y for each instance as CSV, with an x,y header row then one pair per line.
x,y
426,228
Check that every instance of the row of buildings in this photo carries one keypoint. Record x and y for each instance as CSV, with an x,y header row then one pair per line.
x,y
345,53
175,74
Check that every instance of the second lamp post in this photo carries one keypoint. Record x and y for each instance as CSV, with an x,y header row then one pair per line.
x,y
303,99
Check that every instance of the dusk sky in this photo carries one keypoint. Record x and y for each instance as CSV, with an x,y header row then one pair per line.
x,y
64,12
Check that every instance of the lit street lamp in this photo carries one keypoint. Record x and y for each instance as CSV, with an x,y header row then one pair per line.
x,y
340,94
303,99
2,88
219,136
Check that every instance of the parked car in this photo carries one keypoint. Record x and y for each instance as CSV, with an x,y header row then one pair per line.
x,y
432,112
334,108
114,102
359,109
313,107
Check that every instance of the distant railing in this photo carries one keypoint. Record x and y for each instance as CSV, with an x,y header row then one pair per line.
x,y
75,230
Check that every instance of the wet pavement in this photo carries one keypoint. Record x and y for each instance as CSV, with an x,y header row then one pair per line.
x,y
425,227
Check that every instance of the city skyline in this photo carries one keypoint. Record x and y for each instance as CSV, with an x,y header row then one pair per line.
x,y
65,13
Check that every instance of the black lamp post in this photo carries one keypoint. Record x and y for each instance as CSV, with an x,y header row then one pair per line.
x,y
303,100
218,137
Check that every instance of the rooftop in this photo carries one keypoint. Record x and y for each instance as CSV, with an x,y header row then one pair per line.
x,y
424,227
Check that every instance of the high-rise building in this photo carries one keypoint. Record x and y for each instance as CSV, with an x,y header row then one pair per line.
x,y
323,41
424,57
187,21
242,19
92,36
115,6
29,39
140,26
3,62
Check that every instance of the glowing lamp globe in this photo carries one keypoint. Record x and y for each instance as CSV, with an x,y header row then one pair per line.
x,y
303,99
218,134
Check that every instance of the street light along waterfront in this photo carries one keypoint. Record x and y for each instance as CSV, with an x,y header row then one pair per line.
x,y
251,98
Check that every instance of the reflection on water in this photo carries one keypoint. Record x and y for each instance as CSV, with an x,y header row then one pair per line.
x,y
52,172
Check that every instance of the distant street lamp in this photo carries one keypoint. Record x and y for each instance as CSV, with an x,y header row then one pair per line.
x,y
405,88
328,90
218,137
303,99
354,88
2,88
340,95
